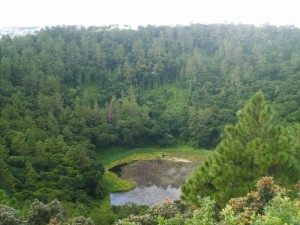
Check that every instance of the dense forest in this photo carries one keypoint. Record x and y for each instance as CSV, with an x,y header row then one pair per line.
x,y
68,93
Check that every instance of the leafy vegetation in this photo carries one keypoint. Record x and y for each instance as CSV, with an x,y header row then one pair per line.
x,y
253,148
70,95
41,214
269,204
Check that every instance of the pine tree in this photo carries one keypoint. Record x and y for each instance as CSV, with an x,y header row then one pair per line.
x,y
253,148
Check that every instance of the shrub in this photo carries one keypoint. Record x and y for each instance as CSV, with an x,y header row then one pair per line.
x,y
9,216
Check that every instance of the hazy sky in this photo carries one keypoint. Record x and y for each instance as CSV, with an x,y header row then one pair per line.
x,y
144,12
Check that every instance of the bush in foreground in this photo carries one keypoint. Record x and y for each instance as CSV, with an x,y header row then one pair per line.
x,y
269,204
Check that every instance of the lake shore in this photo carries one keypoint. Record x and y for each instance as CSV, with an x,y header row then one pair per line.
x,y
115,157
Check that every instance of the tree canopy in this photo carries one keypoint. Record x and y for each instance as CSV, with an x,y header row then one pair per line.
x,y
252,148
68,93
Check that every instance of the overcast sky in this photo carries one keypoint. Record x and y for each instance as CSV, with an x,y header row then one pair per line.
x,y
144,12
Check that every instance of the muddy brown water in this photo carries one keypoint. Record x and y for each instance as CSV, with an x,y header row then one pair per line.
x,y
156,180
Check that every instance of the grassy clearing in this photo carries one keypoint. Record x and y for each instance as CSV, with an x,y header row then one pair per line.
x,y
118,156
115,183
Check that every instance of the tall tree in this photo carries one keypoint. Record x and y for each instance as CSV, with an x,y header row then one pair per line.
x,y
252,148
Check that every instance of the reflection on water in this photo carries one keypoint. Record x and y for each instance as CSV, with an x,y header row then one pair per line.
x,y
156,180
145,196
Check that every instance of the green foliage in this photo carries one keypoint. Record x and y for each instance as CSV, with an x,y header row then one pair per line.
x,y
172,71
268,204
102,213
248,150
199,126
282,211
178,220
5,199
167,213
9,216
244,209
41,214
67,91
129,209
80,221
204,215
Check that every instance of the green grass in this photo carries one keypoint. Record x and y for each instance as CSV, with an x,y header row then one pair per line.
x,y
115,183
117,156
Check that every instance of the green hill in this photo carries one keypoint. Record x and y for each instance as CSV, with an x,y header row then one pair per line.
x,y
69,93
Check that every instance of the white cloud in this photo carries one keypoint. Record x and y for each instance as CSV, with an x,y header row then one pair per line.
x,y
143,12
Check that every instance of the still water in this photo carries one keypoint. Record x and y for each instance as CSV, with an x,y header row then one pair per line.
x,y
156,180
